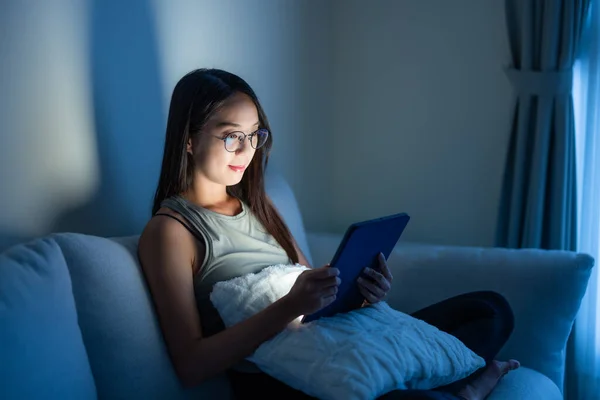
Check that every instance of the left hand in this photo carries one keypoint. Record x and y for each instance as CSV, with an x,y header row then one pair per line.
x,y
378,284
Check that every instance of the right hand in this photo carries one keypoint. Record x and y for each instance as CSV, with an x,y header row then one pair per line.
x,y
314,289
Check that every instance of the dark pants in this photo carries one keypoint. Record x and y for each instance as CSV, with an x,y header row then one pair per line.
x,y
483,321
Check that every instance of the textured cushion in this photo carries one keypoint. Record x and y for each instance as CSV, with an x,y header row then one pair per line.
x,y
42,355
358,355
125,346
280,192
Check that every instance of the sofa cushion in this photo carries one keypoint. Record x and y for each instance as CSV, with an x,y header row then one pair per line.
x,y
525,384
543,287
42,354
283,197
121,332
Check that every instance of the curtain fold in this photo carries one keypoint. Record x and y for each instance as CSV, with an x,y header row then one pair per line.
x,y
538,204
583,368
551,187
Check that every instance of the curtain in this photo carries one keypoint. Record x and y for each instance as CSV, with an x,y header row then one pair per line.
x,y
583,368
538,204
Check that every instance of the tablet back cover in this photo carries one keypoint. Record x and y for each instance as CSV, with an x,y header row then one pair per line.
x,y
360,246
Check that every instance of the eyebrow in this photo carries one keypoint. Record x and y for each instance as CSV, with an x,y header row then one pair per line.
x,y
224,124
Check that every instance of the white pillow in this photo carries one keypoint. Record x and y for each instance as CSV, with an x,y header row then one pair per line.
x,y
357,355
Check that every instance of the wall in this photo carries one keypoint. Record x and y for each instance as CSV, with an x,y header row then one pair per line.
x,y
282,48
421,115
48,151
376,107
82,140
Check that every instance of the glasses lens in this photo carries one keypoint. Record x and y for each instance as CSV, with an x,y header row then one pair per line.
x,y
232,142
259,138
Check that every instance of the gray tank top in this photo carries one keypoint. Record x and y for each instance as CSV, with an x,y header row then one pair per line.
x,y
235,246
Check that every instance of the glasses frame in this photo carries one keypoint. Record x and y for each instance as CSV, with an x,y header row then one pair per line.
x,y
242,138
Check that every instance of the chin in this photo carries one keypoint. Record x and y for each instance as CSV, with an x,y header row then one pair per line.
x,y
233,180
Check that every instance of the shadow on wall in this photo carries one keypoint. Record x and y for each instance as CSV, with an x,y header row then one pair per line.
x,y
128,120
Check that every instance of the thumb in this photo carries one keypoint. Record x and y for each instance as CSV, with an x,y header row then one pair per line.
x,y
325,271
323,268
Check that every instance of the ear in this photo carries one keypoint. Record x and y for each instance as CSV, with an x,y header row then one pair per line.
x,y
189,147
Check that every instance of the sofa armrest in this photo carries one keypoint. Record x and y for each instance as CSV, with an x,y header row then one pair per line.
x,y
543,287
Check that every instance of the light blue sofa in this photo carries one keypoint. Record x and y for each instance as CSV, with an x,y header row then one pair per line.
x,y
77,321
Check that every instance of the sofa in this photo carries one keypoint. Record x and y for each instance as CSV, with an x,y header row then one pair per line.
x,y
77,320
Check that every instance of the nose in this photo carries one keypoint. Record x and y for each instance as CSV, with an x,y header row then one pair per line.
x,y
244,144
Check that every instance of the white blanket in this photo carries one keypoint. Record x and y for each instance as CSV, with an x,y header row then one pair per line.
x,y
359,355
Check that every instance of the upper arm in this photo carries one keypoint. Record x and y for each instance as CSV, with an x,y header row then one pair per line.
x,y
167,253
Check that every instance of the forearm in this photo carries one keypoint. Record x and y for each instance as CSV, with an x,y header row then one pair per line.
x,y
215,354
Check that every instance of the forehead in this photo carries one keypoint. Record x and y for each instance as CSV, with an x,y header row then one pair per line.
x,y
237,111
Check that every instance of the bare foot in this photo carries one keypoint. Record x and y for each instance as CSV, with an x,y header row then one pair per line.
x,y
483,385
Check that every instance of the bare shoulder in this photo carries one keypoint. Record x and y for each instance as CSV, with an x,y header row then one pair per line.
x,y
167,238
168,254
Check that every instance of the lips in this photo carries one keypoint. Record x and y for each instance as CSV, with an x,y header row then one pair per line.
x,y
237,168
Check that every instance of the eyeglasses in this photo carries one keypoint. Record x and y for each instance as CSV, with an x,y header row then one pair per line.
x,y
233,141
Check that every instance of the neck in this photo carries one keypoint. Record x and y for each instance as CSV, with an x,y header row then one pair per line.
x,y
207,194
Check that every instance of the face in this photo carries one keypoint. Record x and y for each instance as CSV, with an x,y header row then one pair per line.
x,y
213,162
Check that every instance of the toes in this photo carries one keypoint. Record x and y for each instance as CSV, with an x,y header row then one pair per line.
x,y
502,368
497,368
513,364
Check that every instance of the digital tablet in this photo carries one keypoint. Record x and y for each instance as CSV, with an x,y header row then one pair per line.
x,y
359,249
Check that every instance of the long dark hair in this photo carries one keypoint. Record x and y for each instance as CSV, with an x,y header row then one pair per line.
x,y
195,97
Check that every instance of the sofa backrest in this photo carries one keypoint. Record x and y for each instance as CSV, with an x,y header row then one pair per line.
x,y
115,314
285,201
124,344
123,339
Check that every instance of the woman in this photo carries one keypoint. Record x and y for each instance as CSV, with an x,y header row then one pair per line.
x,y
212,221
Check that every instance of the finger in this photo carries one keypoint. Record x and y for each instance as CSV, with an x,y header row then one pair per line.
x,y
374,289
320,284
324,272
332,282
378,277
330,291
328,300
385,270
382,282
368,295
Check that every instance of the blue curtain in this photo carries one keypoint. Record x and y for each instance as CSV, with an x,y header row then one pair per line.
x,y
538,204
